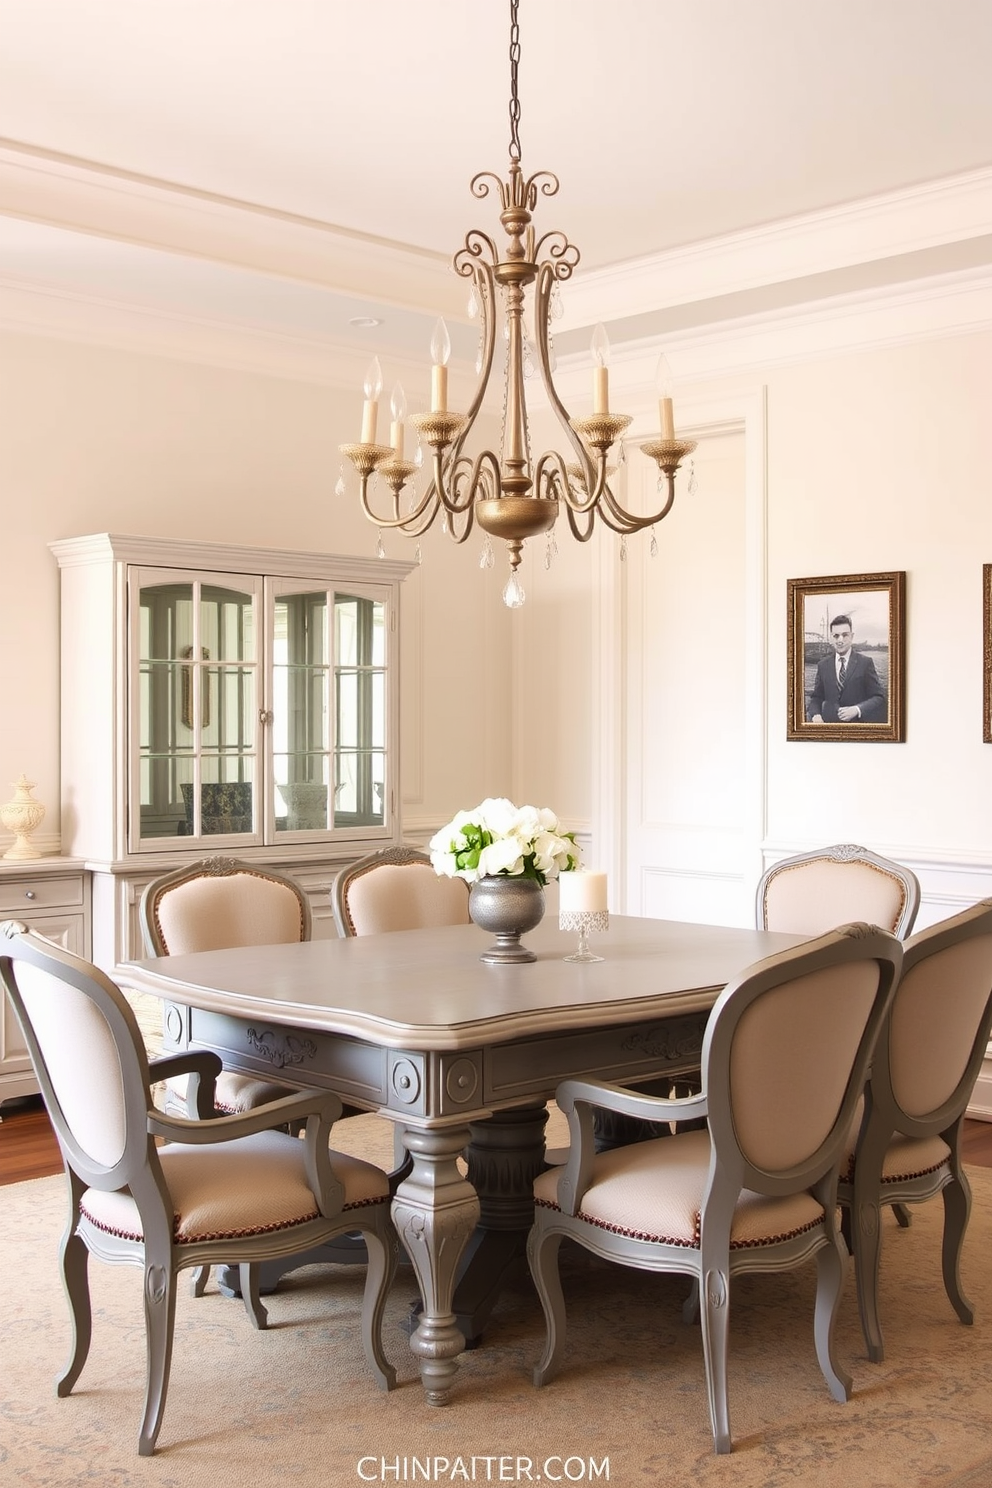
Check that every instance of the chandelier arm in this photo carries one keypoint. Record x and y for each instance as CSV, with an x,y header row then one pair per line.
x,y
582,533
546,278
396,520
482,276
551,477
626,521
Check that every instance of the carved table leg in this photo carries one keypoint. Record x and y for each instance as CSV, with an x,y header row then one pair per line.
x,y
435,1211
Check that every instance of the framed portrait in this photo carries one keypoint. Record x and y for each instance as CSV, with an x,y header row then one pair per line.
x,y
987,652
846,645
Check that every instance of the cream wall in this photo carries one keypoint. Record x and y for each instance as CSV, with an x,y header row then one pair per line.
x,y
93,439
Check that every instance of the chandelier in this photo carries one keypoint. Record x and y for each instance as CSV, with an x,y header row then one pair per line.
x,y
510,495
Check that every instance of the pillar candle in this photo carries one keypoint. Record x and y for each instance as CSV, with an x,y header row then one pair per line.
x,y
667,418
581,892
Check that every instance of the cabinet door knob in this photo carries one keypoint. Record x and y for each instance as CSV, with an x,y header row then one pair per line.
x,y
29,894
265,715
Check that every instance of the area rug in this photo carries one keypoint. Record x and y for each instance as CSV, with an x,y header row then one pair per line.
x,y
295,1404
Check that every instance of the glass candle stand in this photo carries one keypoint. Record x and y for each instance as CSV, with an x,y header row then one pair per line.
x,y
584,921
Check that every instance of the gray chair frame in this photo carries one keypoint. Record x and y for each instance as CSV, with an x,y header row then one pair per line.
x,y
845,852
139,1170
713,1263
865,1193
386,857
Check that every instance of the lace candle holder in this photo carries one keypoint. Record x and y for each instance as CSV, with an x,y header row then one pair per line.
x,y
582,907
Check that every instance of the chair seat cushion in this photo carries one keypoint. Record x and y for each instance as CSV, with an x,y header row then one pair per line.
x,y
234,1094
251,1186
905,1158
654,1191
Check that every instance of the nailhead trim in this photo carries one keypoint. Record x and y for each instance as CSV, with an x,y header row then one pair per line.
x,y
692,1244
225,1234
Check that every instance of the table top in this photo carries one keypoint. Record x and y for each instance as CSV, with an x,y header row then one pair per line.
x,y
429,989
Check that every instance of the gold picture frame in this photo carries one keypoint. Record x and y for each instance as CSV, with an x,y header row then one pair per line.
x,y
860,618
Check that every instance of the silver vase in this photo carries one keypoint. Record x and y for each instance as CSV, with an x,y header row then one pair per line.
x,y
509,907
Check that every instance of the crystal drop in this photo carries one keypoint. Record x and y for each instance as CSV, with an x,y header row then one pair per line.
x,y
473,303
661,482
622,454
380,550
529,367
623,548
418,556
340,489
548,554
654,543
692,486
418,458
556,306
444,524
487,557
513,594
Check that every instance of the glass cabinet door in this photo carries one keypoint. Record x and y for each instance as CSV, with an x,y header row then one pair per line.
x,y
328,709
196,690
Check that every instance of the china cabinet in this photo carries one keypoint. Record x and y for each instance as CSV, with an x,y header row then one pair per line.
x,y
220,698
51,895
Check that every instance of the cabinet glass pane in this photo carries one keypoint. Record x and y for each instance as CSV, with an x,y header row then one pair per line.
x,y
300,723
197,709
359,711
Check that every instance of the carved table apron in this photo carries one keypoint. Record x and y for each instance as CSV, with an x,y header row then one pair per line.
x,y
461,1055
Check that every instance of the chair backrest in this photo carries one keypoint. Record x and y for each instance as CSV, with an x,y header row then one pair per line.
x,y
222,902
87,1053
937,1030
786,1054
812,892
396,889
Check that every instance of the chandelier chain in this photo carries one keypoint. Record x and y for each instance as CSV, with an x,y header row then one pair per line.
x,y
514,98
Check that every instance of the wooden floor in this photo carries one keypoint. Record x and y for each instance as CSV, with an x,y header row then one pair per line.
x,y
28,1148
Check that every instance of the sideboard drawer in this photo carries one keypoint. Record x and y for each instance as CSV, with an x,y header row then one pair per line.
x,y
27,894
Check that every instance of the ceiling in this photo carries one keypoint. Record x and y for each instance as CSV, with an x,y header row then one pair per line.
x,y
288,165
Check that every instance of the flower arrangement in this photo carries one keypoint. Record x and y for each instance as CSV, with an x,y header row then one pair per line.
x,y
497,837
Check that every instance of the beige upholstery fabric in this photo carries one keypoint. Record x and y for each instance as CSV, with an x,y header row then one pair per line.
x,y
81,1055
405,897
654,1191
905,1157
252,1186
937,1009
772,1051
234,1093
811,898
241,909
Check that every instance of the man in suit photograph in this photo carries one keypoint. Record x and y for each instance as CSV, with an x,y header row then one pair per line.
x,y
846,688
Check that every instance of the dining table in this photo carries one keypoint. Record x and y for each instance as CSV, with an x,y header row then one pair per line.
x,y
463,1056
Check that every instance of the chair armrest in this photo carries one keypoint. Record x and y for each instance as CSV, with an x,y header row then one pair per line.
x,y
246,1123
578,1098
204,1066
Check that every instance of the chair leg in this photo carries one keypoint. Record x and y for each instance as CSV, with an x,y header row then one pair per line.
x,y
382,1247
160,1316
866,1233
957,1208
249,1275
74,1262
690,1307
715,1319
542,1257
903,1216
831,1265
201,1275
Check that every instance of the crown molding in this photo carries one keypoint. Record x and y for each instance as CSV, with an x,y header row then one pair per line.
x,y
78,195
949,210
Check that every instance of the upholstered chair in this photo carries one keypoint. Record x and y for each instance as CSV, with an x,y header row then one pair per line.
x,y
785,1055
396,889
229,1188
212,905
812,892
922,1076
